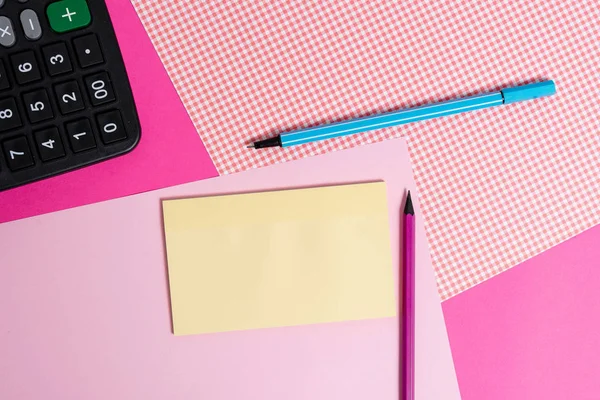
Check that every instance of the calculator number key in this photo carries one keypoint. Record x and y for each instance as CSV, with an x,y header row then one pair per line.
x,y
17,153
99,88
111,127
57,59
26,67
49,144
69,97
9,117
88,50
80,135
37,105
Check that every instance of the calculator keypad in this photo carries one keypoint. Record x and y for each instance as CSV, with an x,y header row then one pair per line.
x,y
63,103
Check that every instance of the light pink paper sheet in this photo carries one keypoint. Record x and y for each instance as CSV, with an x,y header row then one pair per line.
x,y
84,307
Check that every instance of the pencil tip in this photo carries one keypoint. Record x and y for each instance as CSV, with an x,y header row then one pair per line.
x,y
408,206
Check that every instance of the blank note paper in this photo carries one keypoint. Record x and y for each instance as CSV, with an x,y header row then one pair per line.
x,y
281,258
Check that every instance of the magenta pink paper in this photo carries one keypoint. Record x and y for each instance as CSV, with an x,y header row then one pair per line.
x,y
532,332
170,151
84,307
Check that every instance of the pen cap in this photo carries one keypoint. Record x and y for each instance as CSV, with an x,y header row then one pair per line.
x,y
528,92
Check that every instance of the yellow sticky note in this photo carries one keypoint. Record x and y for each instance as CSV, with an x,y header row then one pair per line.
x,y
279,258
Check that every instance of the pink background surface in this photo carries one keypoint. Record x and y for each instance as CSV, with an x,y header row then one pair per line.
x,y
85,314
170,151
532,332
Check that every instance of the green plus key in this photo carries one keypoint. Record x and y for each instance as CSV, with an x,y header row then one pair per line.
x,y
68,15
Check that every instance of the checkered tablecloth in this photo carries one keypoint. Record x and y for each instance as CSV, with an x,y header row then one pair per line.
x,y
496,186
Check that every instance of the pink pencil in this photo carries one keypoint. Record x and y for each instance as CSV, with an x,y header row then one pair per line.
x,y
408,304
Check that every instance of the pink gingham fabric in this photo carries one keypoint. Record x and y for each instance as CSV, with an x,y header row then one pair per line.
x,y
497,186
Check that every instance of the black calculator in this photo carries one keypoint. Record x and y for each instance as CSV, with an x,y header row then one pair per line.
x,y
65,99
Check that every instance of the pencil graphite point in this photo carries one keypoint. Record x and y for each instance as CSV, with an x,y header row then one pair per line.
x,y
408,206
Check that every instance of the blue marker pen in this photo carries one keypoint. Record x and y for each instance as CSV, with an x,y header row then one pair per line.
x,y
505,96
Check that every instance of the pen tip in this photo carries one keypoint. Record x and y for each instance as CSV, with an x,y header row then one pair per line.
x,y
408,206
250,146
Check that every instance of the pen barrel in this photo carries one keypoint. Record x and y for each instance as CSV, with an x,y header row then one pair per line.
x,y
408,309
391,119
